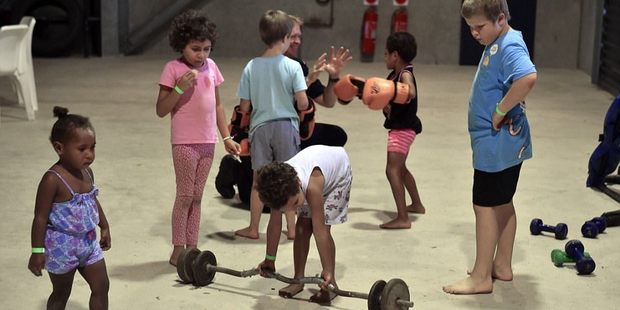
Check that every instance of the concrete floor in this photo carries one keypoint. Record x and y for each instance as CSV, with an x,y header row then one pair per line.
x,y
135,174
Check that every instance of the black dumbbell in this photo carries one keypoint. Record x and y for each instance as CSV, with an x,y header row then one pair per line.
x,y
560,230
574,249
593,227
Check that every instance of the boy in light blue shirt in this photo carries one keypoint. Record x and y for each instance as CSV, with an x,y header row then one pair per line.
x,y
500,140
269,87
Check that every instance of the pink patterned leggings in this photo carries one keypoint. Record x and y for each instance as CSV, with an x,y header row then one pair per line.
x,y
192,163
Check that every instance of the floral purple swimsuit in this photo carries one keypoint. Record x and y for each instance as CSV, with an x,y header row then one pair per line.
x,y
70,237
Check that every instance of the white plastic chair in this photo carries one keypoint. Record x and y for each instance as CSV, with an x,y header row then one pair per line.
x,y
26,64
12,49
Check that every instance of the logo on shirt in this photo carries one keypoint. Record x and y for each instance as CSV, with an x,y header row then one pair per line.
x,y
493,49
485,62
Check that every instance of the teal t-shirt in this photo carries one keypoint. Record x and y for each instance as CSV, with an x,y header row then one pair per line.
x,y
503,62
270,83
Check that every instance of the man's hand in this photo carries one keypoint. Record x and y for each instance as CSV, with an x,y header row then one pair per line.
x,y
337,61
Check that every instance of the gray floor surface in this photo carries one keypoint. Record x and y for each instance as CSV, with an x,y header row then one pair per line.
x,y
135,174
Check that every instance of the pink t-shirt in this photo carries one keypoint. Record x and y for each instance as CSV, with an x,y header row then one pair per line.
x,y
193,119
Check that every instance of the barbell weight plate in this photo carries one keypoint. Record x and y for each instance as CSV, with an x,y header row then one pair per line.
x,y
184,265
374,296
202,276
394,290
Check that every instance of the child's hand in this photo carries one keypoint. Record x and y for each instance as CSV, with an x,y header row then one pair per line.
x,y
36,263
186,81
267,265
498,121
337,61
328,280
106,240
232,147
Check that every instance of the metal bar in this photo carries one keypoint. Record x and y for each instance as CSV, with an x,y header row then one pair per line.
x,y
304,280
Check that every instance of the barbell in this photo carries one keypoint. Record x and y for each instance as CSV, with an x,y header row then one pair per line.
x,y
199,268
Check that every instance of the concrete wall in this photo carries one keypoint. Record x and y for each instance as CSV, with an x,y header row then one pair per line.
x,y
435,24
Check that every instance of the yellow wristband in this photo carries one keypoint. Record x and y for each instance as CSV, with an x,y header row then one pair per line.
x,y
498,111
178,90
38,250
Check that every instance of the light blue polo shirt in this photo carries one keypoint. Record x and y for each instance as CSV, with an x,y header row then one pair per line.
x,y
270,83
503,62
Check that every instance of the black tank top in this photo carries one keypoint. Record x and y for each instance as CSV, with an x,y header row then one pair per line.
x,y
404,116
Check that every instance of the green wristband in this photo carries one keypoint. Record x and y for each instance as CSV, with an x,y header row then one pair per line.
x,y
498,111
270,257
178,90
38,250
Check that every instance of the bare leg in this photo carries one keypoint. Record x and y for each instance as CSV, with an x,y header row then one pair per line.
x,y
416,205
394,172
97,277
290,225
61,290
301,247
507,220
256,209
487,235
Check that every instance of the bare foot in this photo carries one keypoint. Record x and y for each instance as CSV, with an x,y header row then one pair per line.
x,y
290,290
498,273
174,257
290,234
470,286
247,233
416,209
397,224
322,297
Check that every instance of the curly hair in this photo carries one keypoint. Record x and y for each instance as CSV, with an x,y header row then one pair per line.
x,y
491,9
274,26
66,124
276,183
404,43
191,25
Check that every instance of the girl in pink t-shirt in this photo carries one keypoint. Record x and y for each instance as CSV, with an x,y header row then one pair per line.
x,y
188,90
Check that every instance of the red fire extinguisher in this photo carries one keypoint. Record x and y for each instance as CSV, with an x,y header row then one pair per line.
x,y
399,20
369,34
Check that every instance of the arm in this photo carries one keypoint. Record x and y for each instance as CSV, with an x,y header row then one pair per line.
x,y
302,100
321,231
43,204
230,145
168,97
245,105
105,241
337,61
274,229
517,93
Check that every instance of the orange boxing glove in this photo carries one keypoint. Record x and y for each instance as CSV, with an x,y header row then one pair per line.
x,y
380,92
348,87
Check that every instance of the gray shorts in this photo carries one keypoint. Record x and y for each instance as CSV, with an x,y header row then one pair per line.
x,y
336,203
277,140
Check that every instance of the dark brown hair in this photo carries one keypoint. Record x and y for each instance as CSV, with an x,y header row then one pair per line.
x,y
65,125
191,25
276,183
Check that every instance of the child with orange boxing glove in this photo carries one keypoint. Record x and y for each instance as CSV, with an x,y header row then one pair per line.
x,y
397,97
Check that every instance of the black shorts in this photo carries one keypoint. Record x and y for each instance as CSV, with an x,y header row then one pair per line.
x,y
495,188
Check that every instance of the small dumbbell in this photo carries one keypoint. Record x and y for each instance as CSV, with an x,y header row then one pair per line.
x,y
560,230
559,257
574,249
593,227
